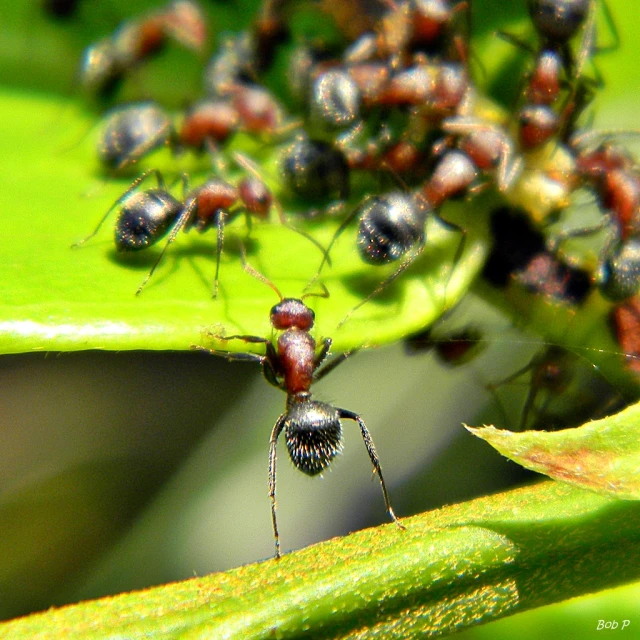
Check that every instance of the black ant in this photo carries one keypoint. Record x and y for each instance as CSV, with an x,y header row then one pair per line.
x,y
106,63
312,429
315,170
148,216
132,131
454,349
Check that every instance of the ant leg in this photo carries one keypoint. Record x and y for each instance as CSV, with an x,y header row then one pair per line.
x,y
330,366
452,226
219,244
252,168
554,243
345,223
132,187
256,274
371,450
182,220
231,355
273,441
385,283
611,23
322,354
267,361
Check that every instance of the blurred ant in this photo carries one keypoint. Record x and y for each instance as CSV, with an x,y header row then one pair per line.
x,y
563,376
106,63
392,226
454,349
625,322
519,255
312,429
419,26
550,371
315,170
555,68
612,174
489,147
146,217
132,131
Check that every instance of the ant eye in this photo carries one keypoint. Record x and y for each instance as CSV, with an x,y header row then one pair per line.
x,y
314,436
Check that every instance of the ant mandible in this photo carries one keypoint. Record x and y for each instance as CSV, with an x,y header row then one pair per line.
x,y
312,429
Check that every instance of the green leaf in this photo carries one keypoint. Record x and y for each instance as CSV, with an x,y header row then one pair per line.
x,y
452,568
603,455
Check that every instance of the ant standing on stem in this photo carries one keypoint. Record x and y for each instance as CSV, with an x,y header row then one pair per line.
x,y
312,429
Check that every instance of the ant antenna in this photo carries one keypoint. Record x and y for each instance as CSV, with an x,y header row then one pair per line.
x,y
123,198
255,273
252,168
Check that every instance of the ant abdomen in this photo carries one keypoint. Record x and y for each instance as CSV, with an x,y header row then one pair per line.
x,y
558,20
390,226
146,218
132,131
313,434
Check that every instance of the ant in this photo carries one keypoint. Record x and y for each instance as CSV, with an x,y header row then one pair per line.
x,y
459,347
613,176
312,429
392,226
132,131
148,216
556,67
315,170
625,322
106,63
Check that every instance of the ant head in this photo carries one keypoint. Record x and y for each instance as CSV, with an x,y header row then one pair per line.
x,y
256,196
292,313
313,433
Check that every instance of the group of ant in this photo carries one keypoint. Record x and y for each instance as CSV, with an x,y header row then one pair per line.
x,y
393,98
